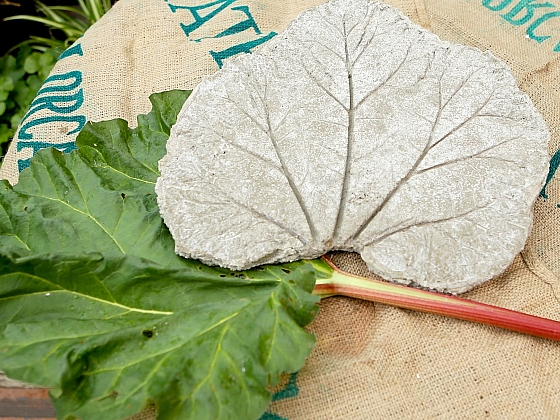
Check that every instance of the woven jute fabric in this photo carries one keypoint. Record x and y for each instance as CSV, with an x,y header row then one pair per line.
x,y
371,361
375,361
138,48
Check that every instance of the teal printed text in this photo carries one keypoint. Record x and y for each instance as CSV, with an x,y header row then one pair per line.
x,y
203,13
38,145
73,50
290,390
61,96
530,13
554,164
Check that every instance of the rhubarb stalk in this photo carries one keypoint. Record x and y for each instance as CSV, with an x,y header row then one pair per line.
x,y
339,282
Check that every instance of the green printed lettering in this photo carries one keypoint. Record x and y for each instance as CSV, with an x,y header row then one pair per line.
x,y
248,23
58,104
290,390
538,22
38,145
272,416
553,167
246,47
529,6
75,49
501,6
23,163
73,103
200,20
80,120
75,75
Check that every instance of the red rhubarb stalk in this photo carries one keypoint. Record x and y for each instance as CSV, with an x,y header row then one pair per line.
x,y
346,284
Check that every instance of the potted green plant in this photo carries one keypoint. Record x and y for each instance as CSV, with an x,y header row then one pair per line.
x,y
25,65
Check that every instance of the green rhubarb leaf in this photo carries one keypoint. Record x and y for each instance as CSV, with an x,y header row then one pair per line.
x,y
127,159
95,303
111,334
58,205
62,202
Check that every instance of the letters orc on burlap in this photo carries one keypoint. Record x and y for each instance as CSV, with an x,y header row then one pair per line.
x,y
370,360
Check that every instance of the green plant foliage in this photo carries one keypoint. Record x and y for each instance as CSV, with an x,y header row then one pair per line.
x,y
127,159
113,334
70,20
95,304
74,198
21,77
23,72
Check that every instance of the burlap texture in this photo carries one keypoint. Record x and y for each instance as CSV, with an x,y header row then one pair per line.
x,y
375,361
371,361
397,364
136,49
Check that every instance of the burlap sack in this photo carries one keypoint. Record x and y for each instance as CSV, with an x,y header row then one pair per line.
x,y
371,361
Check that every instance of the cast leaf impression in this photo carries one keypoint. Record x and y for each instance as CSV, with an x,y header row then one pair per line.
x,y
357,130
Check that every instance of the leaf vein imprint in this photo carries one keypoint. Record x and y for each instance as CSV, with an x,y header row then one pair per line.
x,y
349,144
289,177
